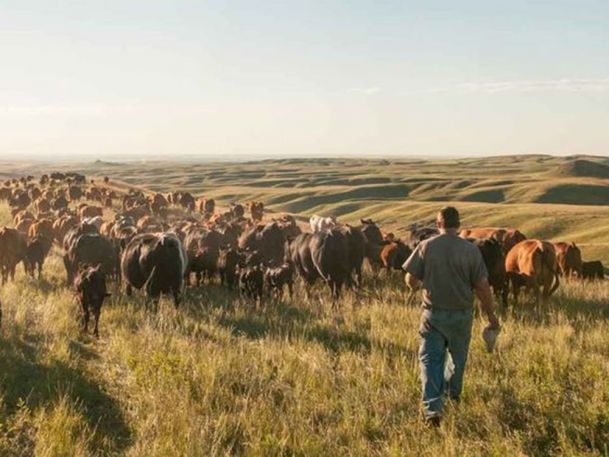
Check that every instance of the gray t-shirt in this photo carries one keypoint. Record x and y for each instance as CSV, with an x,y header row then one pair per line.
x,y
449,267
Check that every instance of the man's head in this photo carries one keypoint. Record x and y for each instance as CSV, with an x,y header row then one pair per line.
x,y
448,219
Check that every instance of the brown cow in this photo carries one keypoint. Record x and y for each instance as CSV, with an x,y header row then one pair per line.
x,y
374,243
145,222
107,202
136,212
21,214
44,228
508,237
42,205
187,201
63,225
237,210
34,193
59,203
569,259
289,227
13,246
24,225
394,254
20,199
36,253
256,210
532,263
90,211
106,228
75,193
93,194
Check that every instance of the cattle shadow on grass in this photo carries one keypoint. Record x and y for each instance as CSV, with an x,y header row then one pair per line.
x,y
576,310
336,340
24,379
277,318
295,323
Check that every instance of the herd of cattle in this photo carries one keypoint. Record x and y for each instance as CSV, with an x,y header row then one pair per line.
x,y
163,243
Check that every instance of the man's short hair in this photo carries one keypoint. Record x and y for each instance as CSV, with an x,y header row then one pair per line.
x,y
450,216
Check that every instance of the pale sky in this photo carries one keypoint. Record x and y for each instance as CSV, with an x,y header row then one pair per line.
x,y
252,78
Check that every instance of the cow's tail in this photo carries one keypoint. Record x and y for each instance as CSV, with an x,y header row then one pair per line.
x,y
148,286
556,283
552,268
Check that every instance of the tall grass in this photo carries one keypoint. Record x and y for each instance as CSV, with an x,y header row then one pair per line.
x,y
218,377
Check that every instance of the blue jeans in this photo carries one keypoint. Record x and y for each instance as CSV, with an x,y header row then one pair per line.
x,y
441,331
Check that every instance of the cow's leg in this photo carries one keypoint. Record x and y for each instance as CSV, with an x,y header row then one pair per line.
x,y
177,296
504,296
291,289
335,287
129,290
85,318
96,312
515,288
539,298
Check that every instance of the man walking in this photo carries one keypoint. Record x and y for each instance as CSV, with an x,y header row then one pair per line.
x,y
448,269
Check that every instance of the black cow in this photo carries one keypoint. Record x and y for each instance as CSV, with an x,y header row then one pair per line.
x,y
267,239
357,248
251,281
156,261
90,285
494,259
228,261
278,277
593,270
35,255
90,249
203,249
322,255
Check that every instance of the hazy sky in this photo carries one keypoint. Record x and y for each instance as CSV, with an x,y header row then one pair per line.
x,y
235,78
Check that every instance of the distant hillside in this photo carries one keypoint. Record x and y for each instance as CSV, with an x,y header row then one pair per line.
x,y
582,168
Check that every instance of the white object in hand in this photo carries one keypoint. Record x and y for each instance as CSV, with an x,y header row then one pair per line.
x,y
489,335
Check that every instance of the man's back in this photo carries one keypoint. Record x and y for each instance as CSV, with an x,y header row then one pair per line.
x,y
449,268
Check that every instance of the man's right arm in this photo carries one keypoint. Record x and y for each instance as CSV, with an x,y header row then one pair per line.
x,y
484,294
414,267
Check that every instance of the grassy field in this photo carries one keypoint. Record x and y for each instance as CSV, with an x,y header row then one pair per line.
x,y
219,377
